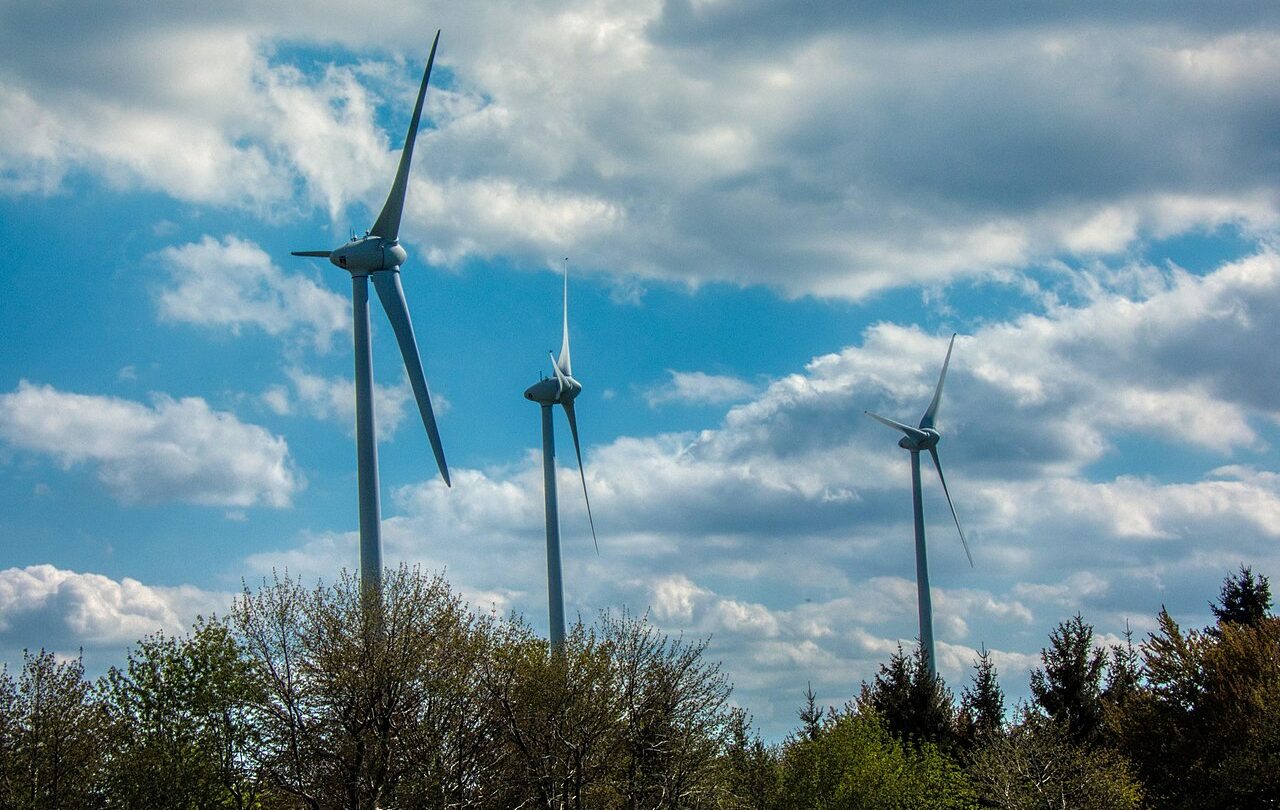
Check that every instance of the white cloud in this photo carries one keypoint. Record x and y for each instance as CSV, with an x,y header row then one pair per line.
x,y
673,598
699,388
41,605
234,284
855,152
333,398
784,532
172,450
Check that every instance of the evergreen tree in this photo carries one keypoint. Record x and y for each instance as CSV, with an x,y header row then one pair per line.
x,y
1124,672
1205,729
983,702
913,705
1245,599
1069,687
811,714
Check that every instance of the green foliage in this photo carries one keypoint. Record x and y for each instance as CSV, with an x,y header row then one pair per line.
x,y
1244,599
51,732
1069,687
365,700
178,727
913,705
1039,764
857,763
336,698
749,770
982,704
1205,732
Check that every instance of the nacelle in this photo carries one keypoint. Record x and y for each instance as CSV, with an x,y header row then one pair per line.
x,y
368,255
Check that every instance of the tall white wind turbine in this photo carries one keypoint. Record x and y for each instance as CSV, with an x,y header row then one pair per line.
x,y
562,389
378,256
925,437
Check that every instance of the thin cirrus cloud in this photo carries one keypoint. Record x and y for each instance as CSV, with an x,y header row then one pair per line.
x,y
699,388
851,151
173,450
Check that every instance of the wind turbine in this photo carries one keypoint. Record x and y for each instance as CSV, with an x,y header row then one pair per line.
x,y
378,255
562,389
925,437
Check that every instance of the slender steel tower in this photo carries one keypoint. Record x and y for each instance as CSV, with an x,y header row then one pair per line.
x,y
378,255
561,389
915,439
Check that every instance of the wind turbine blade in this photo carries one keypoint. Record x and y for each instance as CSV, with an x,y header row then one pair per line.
x,y
391,293
577,448
926,421
563,361
914,433
319,254
560,378
933,451
388,223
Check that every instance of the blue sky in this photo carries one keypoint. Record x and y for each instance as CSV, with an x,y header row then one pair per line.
x,y
774,222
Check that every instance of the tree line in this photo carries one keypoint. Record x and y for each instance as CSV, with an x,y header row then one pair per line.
x,y
327,698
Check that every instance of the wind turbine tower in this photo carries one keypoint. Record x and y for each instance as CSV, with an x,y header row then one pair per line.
x,y
914,439
560,389
378,255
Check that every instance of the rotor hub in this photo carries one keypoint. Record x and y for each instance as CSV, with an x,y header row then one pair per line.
x,y
928,442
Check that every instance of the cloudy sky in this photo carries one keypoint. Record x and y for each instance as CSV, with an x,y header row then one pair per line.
x,y
775,220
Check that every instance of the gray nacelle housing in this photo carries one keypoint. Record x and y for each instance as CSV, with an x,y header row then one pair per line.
x,y
368,254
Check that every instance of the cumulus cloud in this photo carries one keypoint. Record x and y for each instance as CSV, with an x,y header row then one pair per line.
x,y
784,533
42,605
835,155
232,284
171,450
333,398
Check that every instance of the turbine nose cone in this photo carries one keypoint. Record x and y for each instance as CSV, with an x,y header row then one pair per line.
x,y
571,390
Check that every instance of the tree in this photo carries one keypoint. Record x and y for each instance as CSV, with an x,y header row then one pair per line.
x,y
982,704
179,731
9,733
557,718
1205,732
749,768
1244,599
672,711
913,705
857,763
365,696
1069,687
811,714
1037,764
55,731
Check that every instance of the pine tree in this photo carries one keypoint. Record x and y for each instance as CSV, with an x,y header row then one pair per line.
x,y
1069,687
983,703
811,715
913,705
1124,670
1245,599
